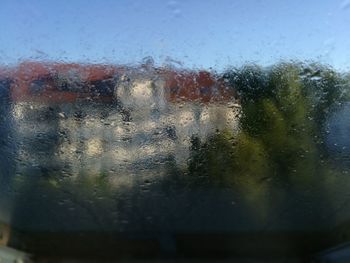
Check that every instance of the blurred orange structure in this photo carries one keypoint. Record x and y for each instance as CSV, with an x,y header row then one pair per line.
x,y
199,86
57,82
94,118
67,82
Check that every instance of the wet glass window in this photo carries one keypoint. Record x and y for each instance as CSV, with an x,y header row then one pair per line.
x,y
174,130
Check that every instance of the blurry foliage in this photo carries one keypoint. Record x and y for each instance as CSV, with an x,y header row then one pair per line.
x,y
281,135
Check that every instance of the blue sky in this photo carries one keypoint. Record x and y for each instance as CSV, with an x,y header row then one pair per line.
x,y
197,33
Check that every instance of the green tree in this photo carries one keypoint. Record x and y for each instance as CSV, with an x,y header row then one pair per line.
x,y
279,143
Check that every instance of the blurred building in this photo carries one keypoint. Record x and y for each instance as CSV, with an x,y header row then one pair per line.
x,y
94,119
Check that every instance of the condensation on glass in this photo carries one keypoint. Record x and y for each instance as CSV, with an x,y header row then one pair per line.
x,y
164,160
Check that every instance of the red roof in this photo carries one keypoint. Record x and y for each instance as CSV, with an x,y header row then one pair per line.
x,y
28,72
201,86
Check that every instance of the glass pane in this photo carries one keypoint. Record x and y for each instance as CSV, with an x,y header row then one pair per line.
x,y
174,130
